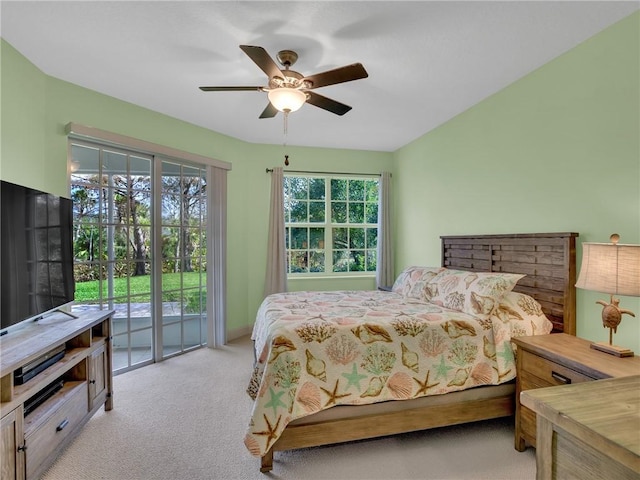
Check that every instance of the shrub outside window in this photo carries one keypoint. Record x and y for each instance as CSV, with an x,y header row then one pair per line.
x,y
331,225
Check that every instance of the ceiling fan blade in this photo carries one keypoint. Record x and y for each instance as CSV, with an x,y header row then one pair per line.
x,y
261,58
327,103
269,112
231,89
348,73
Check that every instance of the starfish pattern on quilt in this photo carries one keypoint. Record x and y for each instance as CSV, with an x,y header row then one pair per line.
x,y
354,377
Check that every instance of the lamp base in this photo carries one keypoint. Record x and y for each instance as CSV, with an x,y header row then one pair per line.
x,y
612,349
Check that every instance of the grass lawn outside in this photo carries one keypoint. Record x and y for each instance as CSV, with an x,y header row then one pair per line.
x,y
140,287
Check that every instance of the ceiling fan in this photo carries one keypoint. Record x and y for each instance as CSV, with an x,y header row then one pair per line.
x,y
288,90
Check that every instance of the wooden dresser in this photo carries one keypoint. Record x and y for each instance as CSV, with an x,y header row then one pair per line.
x,y
588,431
559,359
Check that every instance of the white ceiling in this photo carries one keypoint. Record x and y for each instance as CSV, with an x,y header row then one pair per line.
x,y
427,61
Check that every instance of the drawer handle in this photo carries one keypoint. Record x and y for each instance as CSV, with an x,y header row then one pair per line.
x,y
92,382
561,378
63,424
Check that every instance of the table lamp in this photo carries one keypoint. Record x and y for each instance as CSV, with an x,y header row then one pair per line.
x,y
611,268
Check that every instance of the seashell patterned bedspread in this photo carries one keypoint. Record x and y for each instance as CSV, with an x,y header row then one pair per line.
x,y
315,350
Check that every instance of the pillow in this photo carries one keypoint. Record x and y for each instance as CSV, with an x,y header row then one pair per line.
x,y
474,293
412,281
523,314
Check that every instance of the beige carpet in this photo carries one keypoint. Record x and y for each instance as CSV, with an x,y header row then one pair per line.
x,y
185,418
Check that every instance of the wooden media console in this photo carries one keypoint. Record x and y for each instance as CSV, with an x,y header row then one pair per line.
x,y
44,414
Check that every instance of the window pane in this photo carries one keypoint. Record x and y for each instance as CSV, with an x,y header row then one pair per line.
x,y
340,239
170,209
338,189
141,208
299,188
287,186
190,173
356,238
85,200
357,265
121,243
371,210
192,333
84,159
87,241
191,209
317,238
372,238
114,163
356,212
316,189
371,191
316,261
299,262
170,242
299,238
299,211
341,261
356,190
371,260
316,212
141,167
338,212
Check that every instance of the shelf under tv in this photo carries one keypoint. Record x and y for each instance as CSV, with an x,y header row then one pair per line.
x,y
31,369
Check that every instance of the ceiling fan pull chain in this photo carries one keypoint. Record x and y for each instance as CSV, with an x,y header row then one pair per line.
x,y
284,142
286,124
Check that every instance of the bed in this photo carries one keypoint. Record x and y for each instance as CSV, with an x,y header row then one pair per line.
x,y
434,351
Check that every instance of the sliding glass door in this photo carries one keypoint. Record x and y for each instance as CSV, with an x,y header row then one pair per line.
x,y
183,262
140,247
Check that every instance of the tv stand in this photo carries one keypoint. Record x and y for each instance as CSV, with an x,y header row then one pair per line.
x,y
41,416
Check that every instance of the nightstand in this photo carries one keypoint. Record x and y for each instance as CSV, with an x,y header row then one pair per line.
x,y
559,359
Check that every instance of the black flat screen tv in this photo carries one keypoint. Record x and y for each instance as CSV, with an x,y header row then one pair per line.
x,y
36,254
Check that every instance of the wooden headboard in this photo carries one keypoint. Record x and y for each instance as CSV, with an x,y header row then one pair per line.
x,y
547,259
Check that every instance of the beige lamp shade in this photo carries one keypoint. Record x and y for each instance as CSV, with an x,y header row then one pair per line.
x,y
610,268
287,99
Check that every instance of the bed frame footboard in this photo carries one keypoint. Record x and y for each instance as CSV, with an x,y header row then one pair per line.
x,y
392,423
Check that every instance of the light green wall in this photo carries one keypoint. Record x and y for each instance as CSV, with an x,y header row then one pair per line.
x,y
22,122
36,108
558,150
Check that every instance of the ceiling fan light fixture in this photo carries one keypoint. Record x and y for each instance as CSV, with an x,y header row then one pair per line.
x,y
287,99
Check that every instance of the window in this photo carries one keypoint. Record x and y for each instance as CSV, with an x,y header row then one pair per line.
x,y
331,224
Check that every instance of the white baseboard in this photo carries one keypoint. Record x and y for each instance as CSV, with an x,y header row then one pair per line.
x,y
239,332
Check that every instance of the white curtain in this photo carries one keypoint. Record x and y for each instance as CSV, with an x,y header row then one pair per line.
x,y
385,274
276,277
217,256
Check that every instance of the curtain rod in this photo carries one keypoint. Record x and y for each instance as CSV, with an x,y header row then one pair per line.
x,y
269,170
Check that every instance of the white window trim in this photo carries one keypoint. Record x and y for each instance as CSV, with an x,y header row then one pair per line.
x,y
82,132
329,226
